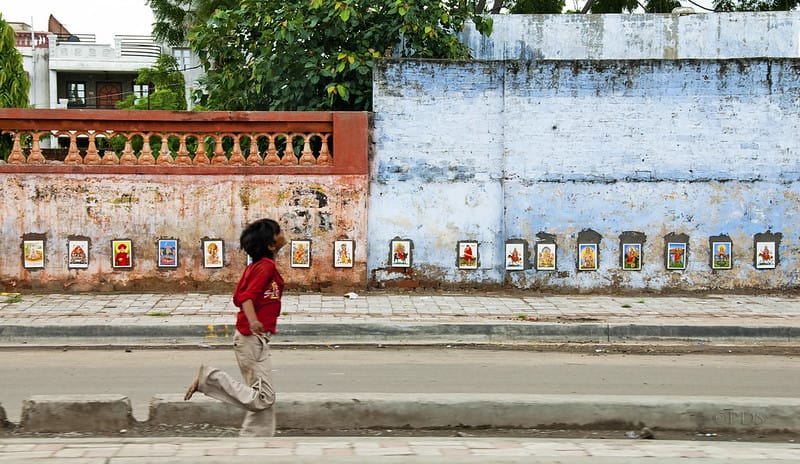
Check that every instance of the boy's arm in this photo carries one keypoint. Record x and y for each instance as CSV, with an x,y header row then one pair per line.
x,y
250,311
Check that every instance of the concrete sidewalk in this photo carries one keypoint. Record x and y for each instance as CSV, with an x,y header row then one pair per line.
x,y
338,450
378,317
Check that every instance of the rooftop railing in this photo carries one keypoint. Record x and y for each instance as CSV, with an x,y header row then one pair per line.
x,y
24,40
334,142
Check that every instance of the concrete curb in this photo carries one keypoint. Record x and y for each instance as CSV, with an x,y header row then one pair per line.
x,y
366,410
514,332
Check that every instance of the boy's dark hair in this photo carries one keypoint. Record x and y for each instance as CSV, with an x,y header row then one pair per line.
x,y
257,237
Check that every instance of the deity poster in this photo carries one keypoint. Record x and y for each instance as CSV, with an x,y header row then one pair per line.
x,y
121,254
587,257
213,256
78,254
467,255
343,253
33,254
300,253
545,256
168,253
765,255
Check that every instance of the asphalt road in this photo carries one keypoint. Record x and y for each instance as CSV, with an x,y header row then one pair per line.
x,y
140,374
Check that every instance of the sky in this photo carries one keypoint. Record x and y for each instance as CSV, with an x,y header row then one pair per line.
x,y
103,18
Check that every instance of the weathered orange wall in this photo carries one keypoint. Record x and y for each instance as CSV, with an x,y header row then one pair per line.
x,y
186,207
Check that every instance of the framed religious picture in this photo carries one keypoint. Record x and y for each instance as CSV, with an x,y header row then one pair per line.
x,y
400,253
721,255
765,255
545,256
343,253
77,254
167,256
121,254
33,254
515,256
587,256
676,256
300,253
213,253
632,256
467,255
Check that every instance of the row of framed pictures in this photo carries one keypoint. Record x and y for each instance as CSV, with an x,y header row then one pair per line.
x,y
631,255
34,252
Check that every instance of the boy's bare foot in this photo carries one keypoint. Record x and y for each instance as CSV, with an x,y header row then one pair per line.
x,y
195,384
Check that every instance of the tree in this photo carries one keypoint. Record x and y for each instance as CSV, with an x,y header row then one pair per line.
x,y
538,7
755,5
169,94
661,6
174,18
14,82
315,54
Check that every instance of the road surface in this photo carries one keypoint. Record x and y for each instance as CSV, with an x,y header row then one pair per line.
x,y
140,374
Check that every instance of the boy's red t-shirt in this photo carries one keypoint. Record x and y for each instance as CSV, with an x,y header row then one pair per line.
x,y
262,283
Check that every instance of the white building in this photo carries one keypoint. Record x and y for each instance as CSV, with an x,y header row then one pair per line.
x,y
73,71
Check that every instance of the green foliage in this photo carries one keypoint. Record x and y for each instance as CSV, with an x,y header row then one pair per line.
x,y
315,54
14,82
613,6
170,91
661,6
538,7
755,5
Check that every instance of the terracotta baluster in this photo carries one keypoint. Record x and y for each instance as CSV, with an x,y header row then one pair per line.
x,y
128,157
164,155
324,158
73,157
219,153
183,154
146,156
16,156
236,155
254,158
36,157
289,158
200,156
91,156
272,158
307,156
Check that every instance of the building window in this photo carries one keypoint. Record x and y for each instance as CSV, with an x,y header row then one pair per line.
x,y
141,91
76,93
183,56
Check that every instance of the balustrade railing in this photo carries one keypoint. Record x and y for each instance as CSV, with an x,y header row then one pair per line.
x,y
24,40
165,138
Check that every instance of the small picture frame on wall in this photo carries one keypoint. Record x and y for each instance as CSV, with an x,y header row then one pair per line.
x,y
122,254
545,256
676,256
766,255
213,253
515,256
400,253
33,254
632,256
467,255
587,256
300,253
343,253
77,254
167,253
721,255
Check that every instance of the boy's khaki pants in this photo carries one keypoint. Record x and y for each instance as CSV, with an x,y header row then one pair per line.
x,y
256,395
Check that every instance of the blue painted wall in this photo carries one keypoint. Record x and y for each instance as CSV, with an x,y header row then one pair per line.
x,y
497,150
